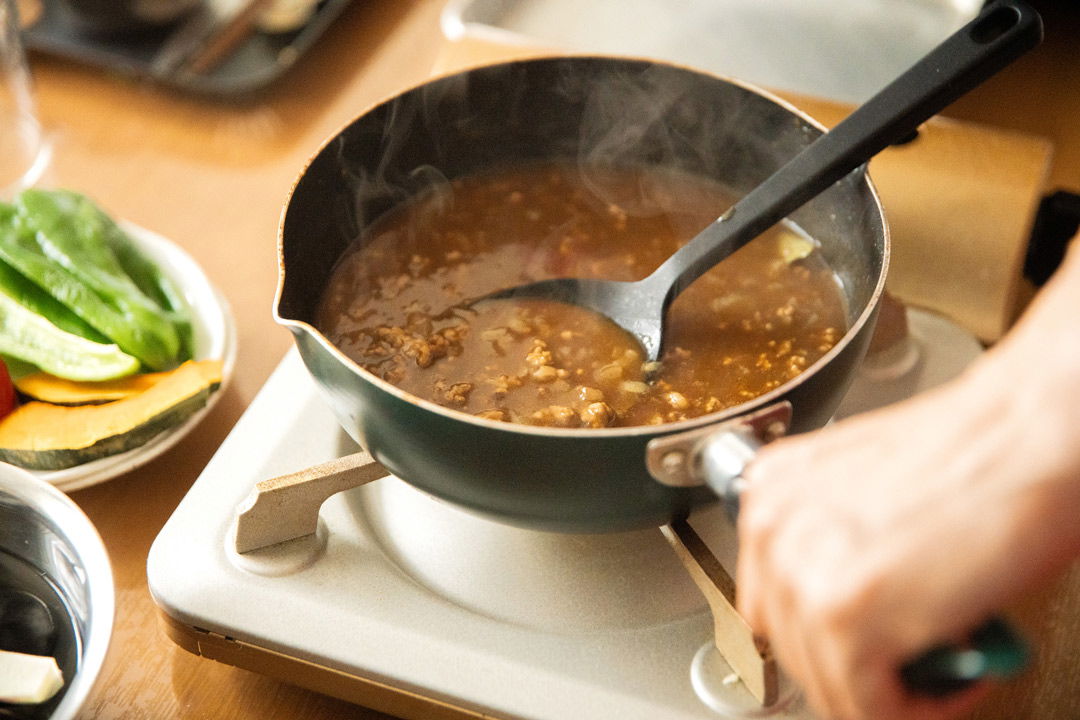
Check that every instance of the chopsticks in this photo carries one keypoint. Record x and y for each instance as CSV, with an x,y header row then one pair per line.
x,y
208,37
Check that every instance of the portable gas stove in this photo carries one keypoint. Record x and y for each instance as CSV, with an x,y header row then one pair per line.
x,y
411,606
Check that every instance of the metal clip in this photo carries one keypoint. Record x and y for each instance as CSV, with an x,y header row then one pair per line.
x,y
716,455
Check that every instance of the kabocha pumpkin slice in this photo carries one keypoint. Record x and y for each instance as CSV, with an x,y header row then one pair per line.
x,y
60,391
43,436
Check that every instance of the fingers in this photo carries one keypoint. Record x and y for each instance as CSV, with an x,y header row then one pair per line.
x,y
810,579
794,610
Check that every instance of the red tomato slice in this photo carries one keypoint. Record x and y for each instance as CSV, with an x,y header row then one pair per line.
x,y
7,391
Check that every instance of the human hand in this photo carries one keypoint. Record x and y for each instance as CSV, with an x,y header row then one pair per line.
x,y
821,531
865,544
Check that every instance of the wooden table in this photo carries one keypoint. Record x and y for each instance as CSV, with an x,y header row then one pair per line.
x,y
213,176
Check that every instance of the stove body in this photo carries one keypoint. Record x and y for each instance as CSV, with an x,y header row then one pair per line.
x,y
414,607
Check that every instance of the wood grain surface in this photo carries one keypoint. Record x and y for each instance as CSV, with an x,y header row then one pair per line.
x,y
212,176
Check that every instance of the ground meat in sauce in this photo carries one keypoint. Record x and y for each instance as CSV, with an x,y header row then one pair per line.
x,y
397,303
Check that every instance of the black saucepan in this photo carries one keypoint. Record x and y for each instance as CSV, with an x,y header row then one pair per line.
x,y
580,109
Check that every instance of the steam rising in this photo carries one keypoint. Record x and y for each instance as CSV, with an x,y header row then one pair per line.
x,y
595,112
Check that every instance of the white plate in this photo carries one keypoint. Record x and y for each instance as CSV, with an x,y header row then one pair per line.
x,y
214,337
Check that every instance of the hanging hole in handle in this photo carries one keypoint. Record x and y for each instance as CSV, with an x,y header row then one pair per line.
x,y
994,25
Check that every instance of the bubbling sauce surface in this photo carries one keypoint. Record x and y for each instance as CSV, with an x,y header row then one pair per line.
x,y
398,301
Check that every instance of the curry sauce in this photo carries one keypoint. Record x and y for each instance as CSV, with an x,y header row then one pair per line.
x,y
399,305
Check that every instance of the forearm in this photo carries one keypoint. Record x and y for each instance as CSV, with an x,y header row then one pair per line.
x,y
1035,373
1013,423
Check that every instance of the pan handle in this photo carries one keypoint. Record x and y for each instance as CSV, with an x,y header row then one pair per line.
x,y
718,455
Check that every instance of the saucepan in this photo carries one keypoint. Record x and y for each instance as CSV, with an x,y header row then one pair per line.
x,y
616,111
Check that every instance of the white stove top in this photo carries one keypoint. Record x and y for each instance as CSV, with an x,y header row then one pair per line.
x,y
415,594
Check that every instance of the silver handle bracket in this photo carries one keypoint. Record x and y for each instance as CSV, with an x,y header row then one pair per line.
x,y
678,460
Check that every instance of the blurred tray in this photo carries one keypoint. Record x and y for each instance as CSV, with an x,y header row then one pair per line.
x,y
843,50
255,63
